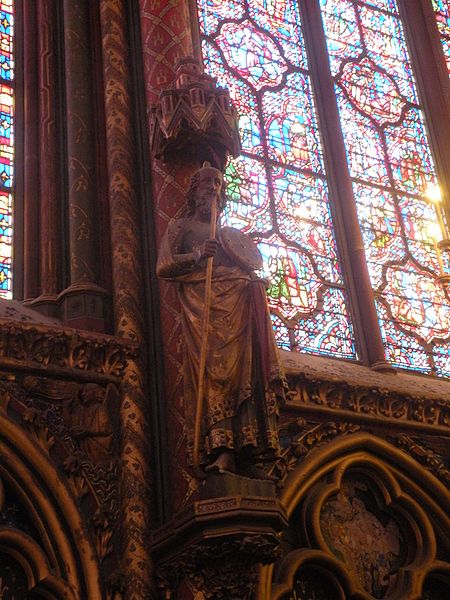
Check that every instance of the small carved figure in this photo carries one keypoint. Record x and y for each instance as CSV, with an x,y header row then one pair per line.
x,y
243,380
90,422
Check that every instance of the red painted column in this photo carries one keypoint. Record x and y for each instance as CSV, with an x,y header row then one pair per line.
x,y
166,37
80,142
50,187
31,161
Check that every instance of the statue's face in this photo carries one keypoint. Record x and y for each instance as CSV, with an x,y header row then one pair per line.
x,y
208,191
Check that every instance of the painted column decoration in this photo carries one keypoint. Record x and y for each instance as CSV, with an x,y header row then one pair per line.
x,y
83,300
128,275
166,38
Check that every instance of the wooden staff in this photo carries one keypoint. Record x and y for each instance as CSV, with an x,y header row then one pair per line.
x,y
203,350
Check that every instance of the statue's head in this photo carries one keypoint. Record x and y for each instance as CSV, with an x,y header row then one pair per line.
x,y
207,185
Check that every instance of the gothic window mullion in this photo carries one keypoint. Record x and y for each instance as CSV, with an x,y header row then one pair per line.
x,y
344,208
439,26
433,82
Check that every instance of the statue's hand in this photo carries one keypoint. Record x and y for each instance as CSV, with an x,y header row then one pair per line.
x,y
207,249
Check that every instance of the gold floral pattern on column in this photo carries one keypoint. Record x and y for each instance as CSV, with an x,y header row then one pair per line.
x,y
128,300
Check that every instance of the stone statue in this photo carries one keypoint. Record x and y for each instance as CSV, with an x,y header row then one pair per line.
x,y
243,380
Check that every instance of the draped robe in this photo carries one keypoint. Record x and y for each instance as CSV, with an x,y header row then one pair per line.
x,y
244,383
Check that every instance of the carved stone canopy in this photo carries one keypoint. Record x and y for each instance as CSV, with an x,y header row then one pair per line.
x,y
195,116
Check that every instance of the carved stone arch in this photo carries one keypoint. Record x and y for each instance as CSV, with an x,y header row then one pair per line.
x,y
31,558
436,582
330,569
405,503
51,547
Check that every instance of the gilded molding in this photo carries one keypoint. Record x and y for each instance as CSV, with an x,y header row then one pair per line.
x,y
353,526
39,346
368,401
129,303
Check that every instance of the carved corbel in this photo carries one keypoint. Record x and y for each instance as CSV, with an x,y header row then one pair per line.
x,y
216,543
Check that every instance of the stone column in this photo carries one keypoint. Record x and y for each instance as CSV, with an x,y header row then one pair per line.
x,y
166,38
128,275
50,186
83,301
31,170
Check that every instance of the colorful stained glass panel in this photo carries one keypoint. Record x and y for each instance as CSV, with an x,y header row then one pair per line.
x,y
277,188
442,11
6,42
6,144
6,136
391,165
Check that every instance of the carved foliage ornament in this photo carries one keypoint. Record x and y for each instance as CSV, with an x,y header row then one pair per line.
x,y
76,425
302,438
424,455
369,401
64,349
221,570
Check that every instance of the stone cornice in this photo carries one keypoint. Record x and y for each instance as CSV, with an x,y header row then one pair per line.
x,y
63,352
329,387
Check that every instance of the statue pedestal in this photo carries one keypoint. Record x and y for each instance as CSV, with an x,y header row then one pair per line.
x,y
228,484
218,540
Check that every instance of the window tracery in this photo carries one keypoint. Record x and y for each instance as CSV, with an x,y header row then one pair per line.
x,y
279,186
381,118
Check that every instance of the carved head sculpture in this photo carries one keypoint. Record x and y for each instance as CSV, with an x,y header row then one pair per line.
x,y
91,393
207,185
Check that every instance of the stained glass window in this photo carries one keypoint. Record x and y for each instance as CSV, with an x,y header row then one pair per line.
x,y
442,10
392,169
279,186
6,143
